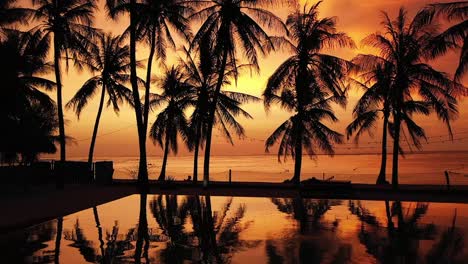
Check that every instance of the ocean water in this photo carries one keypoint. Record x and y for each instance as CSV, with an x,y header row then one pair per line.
x,y
424,168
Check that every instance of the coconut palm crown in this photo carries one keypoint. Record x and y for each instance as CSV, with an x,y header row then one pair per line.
x,y
306,84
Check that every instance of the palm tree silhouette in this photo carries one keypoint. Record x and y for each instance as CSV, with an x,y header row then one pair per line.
x,y
223,23
116,248
202,76
156,22
450,247
405,46
24,107
111,62
171,216
10,14
453,37
315,240
26,56
215,237
58,240
374,102
308,212
35,133
115,8
99,229
306,83
70,24
171,122
390,244
219,232
143,239
84,245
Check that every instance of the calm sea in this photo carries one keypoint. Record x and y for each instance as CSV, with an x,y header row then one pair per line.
x,y
425,168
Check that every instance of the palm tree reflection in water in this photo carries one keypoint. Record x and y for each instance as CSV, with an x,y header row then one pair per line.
x,y
215,237
315,241
189,229
399,241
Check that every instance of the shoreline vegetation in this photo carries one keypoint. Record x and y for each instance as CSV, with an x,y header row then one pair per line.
x,y
397,81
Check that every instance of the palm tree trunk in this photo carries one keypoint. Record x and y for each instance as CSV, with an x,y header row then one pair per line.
x,y
58,239
96,126
58,80
298,156
399,213
148,79
300,89
389,216
197,147
143,167
211,229
206,165
142,233
300,214
383,164
162,176
396,143
99,228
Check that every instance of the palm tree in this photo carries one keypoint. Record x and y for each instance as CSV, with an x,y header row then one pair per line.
x,y
171,122
374,102
143,238
390,244
219,233
115,8
35,132
111,61
58,240
405,45
24,59
157,21
306,83
70,24
11,14
99,229
232,26
118,245
83,244
171,216
202,76
456,36
24,107
315,240
307,212
450,247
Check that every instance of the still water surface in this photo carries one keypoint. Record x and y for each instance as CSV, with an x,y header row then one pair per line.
x,y
201,229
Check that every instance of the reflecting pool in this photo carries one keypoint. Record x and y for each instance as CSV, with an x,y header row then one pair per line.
x,y
204,229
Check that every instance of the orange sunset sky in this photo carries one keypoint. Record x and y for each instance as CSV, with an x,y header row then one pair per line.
x,y
118,136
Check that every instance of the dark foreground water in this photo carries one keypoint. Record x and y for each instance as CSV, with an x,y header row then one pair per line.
x,y
203,229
